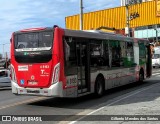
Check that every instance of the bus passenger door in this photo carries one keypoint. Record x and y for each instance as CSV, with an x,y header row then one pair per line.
x,y
83,56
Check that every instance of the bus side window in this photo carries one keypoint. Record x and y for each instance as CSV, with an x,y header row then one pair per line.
x,y
70,56
127,55
106,53
115,53
67,50
96,54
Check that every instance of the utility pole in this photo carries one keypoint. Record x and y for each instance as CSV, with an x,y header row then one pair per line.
x,y
6,58
127,20
156,33
129,3
81,14
3,51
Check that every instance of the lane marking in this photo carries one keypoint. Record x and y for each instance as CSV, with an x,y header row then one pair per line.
x,y
155,74
155,71
5,88
109,104
22,102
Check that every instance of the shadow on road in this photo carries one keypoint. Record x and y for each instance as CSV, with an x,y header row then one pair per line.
x,y
88,101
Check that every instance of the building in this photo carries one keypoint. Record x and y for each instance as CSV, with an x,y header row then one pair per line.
x,y
124,2
144,20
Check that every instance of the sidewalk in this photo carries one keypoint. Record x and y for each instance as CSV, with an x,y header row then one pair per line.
x,y
144,101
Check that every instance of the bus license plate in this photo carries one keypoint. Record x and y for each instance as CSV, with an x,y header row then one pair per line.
x,y
32,83
33,91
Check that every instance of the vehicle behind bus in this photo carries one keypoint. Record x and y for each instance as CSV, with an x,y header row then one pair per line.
x,y
4,64
156,60
5,80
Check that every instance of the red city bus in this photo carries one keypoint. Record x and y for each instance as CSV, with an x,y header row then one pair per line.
x,y
69,63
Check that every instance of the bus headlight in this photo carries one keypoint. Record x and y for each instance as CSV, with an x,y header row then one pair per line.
x,y
55,77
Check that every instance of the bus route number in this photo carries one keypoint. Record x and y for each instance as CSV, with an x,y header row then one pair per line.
x,y
72,81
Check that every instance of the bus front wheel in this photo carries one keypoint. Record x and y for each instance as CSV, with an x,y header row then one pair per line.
x,y
99,86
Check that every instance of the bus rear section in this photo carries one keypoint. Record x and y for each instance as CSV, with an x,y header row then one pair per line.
x,y
35,63
68,63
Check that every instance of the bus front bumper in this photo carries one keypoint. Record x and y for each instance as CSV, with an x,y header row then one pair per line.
x,y
54,90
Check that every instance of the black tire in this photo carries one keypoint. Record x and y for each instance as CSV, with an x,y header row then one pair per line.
x,y
99,86
141,76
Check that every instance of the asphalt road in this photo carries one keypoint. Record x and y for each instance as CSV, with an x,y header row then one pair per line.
x,y
131,99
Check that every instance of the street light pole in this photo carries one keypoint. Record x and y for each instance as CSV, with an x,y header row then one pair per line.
x,y
156,33
129,3
3,51
127,20
81,14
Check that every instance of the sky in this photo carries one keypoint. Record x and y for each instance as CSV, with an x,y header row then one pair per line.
x,y
21,14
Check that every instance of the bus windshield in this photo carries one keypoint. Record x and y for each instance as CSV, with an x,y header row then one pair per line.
x,y
36,40
31,47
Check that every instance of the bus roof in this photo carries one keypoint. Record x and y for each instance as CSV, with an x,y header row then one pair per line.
x,y
98,34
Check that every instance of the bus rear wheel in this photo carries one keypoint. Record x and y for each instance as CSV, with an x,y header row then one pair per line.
x,y
141,76
99,86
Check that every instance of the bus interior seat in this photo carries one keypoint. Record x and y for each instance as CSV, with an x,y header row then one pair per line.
x,y
21,46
